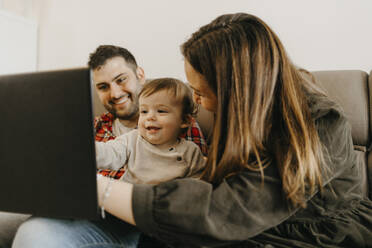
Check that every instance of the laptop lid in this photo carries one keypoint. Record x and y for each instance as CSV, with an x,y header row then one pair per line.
x,y
47,154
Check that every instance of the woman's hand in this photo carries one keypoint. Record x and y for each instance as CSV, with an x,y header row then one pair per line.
x,y
118,199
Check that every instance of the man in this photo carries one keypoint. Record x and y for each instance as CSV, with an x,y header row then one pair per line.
x,y
118,80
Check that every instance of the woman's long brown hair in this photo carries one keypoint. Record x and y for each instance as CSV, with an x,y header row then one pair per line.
x,y
263,117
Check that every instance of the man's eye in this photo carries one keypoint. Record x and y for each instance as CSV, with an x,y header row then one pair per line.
x,y
121,80
102,87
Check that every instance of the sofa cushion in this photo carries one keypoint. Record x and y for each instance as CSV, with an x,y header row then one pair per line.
x,y
350,89
369,163
370,97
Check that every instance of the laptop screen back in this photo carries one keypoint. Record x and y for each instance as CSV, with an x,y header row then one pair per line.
x,y
47,156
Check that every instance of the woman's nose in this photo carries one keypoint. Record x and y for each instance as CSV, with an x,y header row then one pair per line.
x,y
196,98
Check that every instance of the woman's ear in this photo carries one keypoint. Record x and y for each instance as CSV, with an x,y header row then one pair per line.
x,y
186,122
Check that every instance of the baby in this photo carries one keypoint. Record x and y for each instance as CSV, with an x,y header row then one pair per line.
x,y
154,153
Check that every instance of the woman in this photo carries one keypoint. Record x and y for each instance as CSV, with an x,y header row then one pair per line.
x,y
279,151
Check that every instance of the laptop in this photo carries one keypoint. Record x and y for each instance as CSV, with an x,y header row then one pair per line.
x,y
47,153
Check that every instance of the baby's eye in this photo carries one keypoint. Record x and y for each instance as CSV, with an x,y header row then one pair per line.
x,y
143,111
162,111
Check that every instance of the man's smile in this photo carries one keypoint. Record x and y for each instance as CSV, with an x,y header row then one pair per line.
x,y
120,101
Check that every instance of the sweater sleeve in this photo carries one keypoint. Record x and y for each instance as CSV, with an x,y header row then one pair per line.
x,y
112,154
191,211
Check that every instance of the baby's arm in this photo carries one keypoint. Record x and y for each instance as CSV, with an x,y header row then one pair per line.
x,y
112,154
197,163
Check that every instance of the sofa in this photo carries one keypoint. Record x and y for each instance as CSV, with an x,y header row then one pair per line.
x,y
351,88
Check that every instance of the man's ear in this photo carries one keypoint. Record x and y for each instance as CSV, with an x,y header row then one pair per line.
x,y
141,75
187,122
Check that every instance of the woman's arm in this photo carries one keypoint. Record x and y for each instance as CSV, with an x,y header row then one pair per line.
x,y
118,200
191,211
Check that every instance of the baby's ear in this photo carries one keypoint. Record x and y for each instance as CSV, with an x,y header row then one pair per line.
x,y
187,121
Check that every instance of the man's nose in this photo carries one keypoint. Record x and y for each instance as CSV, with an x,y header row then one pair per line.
x,y
116,91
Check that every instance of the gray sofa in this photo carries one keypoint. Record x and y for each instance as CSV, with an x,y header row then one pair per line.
x,y
351,88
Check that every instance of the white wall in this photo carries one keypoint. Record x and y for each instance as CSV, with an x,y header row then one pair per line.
x,y
318,34
18,43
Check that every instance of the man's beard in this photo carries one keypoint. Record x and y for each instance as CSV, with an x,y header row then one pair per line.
x,y
129,113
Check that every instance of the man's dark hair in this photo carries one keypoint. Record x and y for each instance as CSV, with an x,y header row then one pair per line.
x,y
105,52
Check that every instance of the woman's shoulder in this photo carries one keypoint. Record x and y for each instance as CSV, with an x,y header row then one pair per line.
x,y
321,106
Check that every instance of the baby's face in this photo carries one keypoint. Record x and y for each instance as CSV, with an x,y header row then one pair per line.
x,y
160,119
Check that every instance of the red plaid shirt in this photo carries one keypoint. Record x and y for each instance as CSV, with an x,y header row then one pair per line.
x,y
103,128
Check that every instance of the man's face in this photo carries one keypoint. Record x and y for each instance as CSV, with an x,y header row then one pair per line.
x,y
118,85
